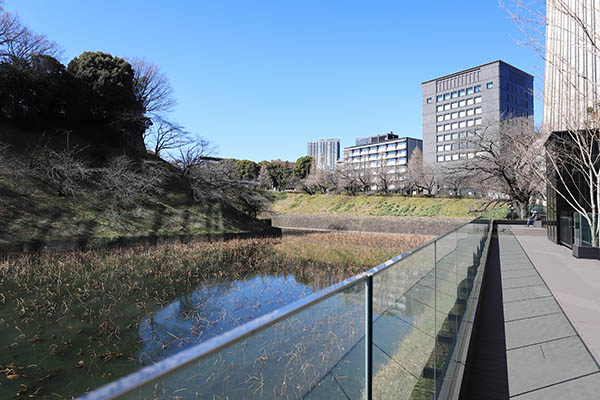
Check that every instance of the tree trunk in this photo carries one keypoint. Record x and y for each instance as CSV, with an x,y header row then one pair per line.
x,y
593,229
522,210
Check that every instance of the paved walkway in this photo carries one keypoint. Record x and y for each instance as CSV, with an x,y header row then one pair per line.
x,y
551,304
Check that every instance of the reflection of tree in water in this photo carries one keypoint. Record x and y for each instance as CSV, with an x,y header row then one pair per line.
x,y
213,309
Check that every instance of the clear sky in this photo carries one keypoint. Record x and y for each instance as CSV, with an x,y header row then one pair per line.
x,y
261,78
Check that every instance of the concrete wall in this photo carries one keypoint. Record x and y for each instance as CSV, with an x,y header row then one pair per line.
x,y
432,226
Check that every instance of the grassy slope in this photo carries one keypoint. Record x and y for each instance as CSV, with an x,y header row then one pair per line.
x,y
32,210
396,206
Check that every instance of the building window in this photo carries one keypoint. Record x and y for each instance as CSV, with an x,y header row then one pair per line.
x,y
454,136
401,145
490,85
447,157
470,122
440,148
477,99
440,158
454,115
447,127
462,124
454,95
470,90
440,138
471,155
470,112
477,121
461,145
477,110
462,92
440,98
477,88
470,102
462,114
440,118
447,117
429,99
454,104
447,147
440,108
454,157
462,103
463,135
455,125
446,137
446,107
446,96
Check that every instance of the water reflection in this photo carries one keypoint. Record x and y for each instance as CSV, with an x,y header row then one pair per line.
x,y
212,309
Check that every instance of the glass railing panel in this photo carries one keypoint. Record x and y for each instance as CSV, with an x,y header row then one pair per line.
x,y
448,309
404,327
314,353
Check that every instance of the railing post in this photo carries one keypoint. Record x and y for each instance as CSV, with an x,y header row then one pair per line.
x,y
369,337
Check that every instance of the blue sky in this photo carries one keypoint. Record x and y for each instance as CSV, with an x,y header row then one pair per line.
x,y
261,78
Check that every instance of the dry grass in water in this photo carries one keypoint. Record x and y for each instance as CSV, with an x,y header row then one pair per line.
x,y
69,321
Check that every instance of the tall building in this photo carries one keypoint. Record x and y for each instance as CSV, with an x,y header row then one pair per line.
x,y
326,152
382,151
572,63
455,105
571,102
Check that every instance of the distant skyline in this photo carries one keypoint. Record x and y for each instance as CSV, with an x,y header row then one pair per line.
x,y
261,79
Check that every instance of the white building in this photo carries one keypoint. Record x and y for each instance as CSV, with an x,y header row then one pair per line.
x,y
326,152
382,151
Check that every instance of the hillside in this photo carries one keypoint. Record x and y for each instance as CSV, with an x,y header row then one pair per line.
x,y
31,208
395,206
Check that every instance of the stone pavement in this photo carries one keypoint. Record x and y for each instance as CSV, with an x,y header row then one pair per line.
x,y
551,304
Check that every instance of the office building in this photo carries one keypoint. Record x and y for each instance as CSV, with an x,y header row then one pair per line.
x,y
455,105
572,63
326,152
571,105
382,151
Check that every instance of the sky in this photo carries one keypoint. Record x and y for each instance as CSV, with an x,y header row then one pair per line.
x,y
258,78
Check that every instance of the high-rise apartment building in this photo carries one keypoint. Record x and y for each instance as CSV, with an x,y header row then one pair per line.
x,y
326,152
572,79
455,105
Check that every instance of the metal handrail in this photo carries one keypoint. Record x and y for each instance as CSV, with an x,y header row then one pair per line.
x,y
179,360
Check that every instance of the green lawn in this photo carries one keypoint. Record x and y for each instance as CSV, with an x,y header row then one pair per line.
x,y
394,206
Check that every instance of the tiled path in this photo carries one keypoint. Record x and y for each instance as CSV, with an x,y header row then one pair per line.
x,y
546,357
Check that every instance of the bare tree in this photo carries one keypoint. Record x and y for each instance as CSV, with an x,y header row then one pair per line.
x,y
165,135
264,179
420,175
319,180
345,178
64,169
193,156
454,180
384,177
17,42
574,159
125,184
508,156
151,87
364,176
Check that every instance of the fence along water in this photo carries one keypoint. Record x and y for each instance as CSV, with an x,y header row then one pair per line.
x,y
321,346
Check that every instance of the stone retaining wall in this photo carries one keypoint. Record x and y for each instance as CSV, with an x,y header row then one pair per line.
x,y
432,226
